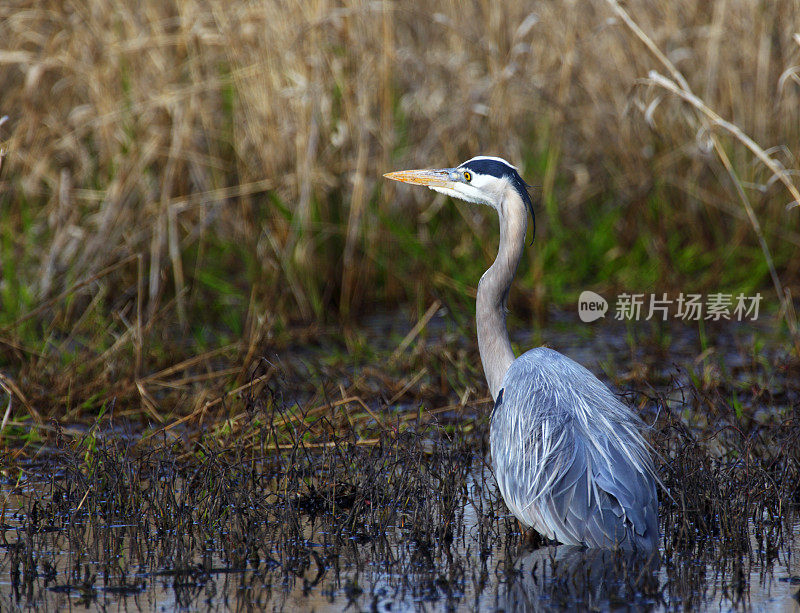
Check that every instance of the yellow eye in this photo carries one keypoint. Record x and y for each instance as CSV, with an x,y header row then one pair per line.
x,y
467,176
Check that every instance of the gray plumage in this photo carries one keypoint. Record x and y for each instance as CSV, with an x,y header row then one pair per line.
x,y
567,454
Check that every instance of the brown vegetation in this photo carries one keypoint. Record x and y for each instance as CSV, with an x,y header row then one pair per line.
x,y
164,157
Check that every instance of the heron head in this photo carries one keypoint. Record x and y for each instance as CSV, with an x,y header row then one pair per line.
x,y
482,180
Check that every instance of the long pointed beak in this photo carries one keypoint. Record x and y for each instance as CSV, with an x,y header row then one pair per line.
x,y
431,178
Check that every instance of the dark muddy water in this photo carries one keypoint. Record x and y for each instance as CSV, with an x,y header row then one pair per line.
x,y
485,567
417,523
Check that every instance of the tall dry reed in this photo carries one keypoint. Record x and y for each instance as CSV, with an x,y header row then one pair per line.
x,y
142,133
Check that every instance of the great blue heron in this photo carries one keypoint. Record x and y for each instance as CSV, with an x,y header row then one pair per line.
x,y
568,455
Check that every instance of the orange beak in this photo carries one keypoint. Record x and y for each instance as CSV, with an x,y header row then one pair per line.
x,y
429,178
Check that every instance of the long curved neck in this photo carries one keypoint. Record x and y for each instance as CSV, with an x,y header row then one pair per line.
x,y
493,341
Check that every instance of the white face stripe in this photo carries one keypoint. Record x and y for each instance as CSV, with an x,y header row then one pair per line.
x,y
480,181
489,157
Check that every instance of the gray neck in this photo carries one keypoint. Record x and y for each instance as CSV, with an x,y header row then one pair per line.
x,y
490,310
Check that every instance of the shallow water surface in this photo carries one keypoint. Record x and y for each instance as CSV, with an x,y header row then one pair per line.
x,y
413,520
480,565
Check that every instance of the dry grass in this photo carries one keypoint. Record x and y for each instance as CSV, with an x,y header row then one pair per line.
x,y
149,143
96,514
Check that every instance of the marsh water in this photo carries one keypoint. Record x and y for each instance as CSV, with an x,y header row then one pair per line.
x,y
484,570
414,520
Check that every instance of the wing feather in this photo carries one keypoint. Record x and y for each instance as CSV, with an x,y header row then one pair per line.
x,y
569,458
